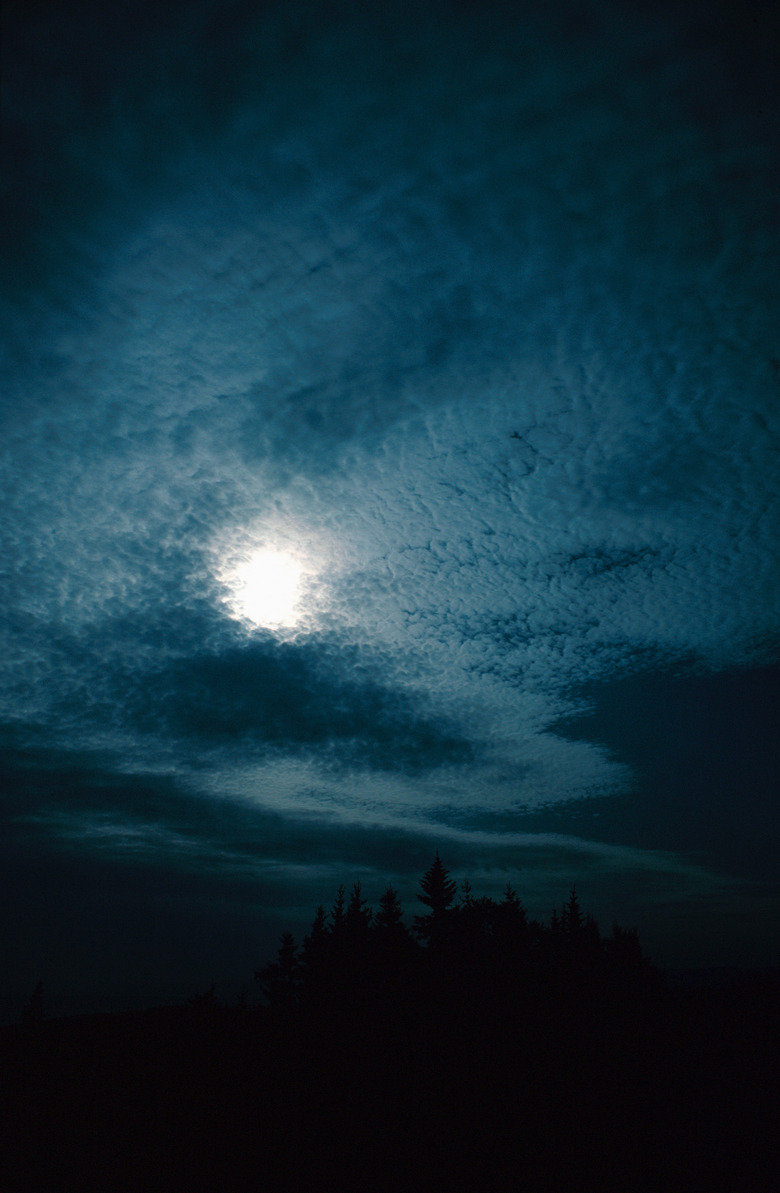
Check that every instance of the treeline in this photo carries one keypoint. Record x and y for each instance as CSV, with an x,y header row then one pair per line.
x,y
467,1046
470,1045
483,949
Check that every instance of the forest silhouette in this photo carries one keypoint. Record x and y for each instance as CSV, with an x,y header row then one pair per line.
x,y
463,956
471,1047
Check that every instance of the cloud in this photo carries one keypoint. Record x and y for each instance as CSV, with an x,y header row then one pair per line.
x,y
291,697
475,314
189,824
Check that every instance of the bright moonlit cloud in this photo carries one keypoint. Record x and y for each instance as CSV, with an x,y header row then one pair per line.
x,y
265,589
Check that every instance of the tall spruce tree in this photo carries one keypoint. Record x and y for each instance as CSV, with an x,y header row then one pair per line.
x,y
438,894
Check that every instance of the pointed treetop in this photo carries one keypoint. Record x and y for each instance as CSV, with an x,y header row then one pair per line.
x,y
438,889
390,912
338,910
572,918
315,940
358,914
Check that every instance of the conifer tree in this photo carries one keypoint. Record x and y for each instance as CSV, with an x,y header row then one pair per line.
x,y
511,924
279,979
389,918
512,908
315,948
624,952
572,919
392,948
337,914
438,889
438,894
358,914
357,923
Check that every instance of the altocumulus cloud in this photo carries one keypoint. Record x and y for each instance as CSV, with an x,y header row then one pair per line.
x,y
281,696
472,314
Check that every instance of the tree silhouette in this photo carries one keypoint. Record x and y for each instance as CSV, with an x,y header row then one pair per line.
x,y
389,918
279,979
511,918
338,913
438,894
625,960
393,952
315,947
357,919
466,896
523,1054
204,1003
572,918
468,958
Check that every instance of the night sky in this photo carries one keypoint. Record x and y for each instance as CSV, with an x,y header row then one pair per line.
x,y
390,455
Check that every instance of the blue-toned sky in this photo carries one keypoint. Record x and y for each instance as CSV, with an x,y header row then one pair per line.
x,y
464,318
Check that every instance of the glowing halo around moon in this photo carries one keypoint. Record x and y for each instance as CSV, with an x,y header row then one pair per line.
x,y
265,588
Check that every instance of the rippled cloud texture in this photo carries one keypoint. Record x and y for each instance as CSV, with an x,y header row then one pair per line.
x,y
472,314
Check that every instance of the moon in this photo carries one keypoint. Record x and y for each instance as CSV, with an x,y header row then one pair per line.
x,y
265,589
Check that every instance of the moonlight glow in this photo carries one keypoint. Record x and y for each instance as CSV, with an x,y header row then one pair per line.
x,y
265,588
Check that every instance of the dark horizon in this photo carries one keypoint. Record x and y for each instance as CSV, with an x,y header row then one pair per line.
x,y
471,1048
238,984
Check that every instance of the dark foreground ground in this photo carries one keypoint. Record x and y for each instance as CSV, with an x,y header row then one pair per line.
x,y
674,1089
